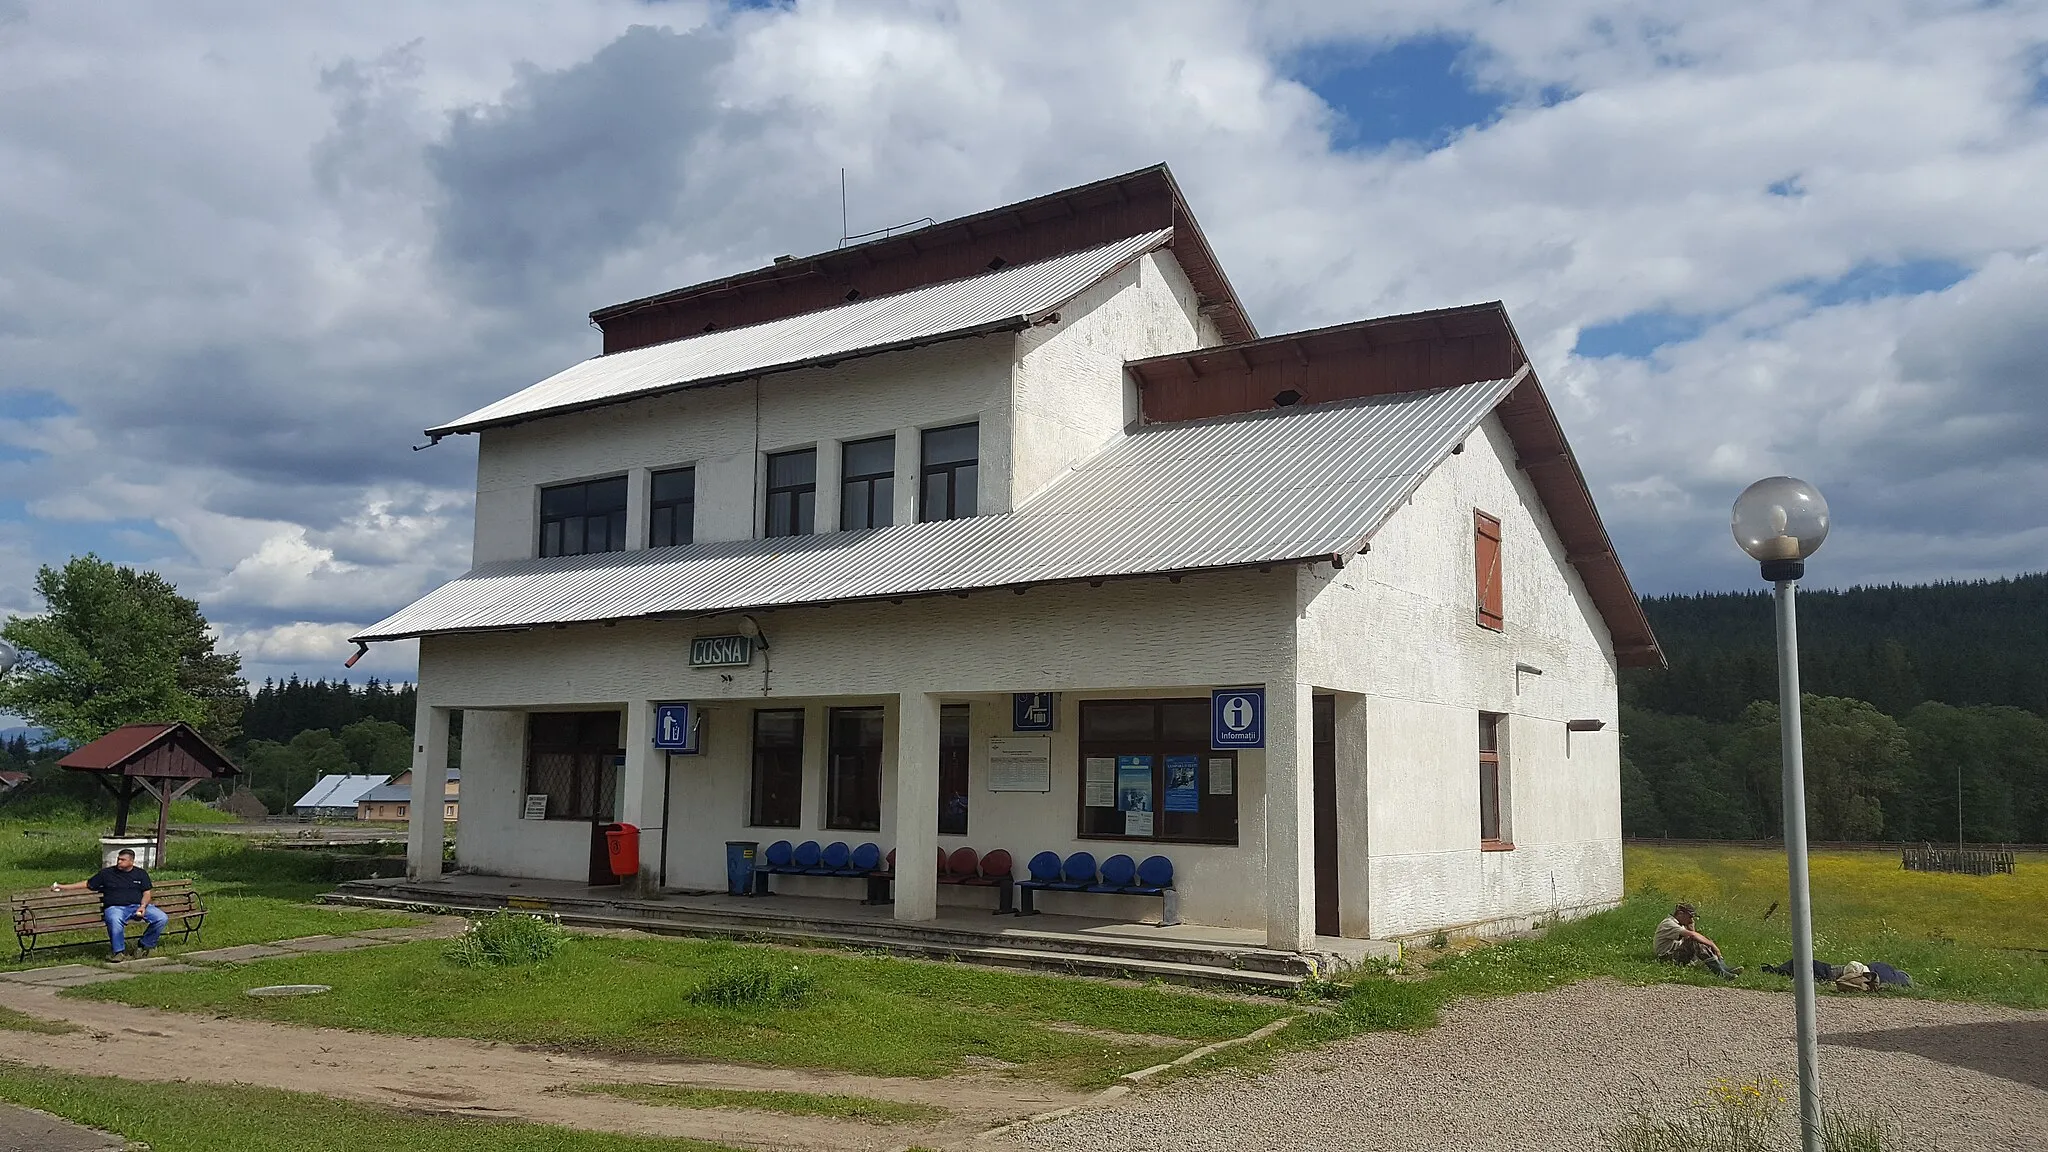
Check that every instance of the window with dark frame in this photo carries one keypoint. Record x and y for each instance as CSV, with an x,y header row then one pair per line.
x,y
672,508
1158,754
853,773
585,517
775,798
792,493
867,484
1489,780
1486,570
950,472
953,744
571,758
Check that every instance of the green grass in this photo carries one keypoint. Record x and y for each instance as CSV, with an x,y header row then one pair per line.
x,y
14,1021
196,1117
632,998
790,1103
252,896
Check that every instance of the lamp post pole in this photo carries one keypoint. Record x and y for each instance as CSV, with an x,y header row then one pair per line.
x,y
1794,755
1780,522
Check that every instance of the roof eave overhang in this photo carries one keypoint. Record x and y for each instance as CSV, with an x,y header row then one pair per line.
x,y
991,328
1338,559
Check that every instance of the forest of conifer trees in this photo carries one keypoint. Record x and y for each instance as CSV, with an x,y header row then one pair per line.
x,y
1926,703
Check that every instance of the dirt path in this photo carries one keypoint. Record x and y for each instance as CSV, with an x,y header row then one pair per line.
x,y
473,1078
1557,1069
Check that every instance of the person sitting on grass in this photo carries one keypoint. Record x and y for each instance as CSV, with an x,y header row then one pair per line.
x,y
124,895
1678,943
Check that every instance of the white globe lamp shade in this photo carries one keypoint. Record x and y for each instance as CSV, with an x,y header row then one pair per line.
x,y
1780,521
8,657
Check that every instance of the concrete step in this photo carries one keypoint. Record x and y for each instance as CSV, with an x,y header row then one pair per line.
x,y
1012,933
1182,964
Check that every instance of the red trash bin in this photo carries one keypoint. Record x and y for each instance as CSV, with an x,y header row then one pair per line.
x,y
623,843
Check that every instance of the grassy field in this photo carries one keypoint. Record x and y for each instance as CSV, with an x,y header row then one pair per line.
x,y
194,1117
252,896
873,1015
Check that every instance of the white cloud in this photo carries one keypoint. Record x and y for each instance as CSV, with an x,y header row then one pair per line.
x,y
255,248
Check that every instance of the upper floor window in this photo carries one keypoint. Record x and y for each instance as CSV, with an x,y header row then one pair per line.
x,y
867,486
586,517
951,465
1486,570
672,508
792,493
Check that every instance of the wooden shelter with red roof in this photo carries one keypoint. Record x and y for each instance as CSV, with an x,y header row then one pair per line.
x,y
164,760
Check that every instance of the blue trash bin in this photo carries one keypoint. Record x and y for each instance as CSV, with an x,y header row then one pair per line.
x,y
739,866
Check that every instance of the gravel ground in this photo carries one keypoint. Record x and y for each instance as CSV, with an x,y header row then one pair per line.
x,y
1553,1070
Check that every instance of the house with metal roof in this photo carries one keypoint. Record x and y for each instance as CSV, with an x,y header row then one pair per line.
x,y
336,796
1011,532
393,801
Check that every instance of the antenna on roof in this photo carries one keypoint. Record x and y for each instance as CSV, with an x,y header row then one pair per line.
x,y
891,230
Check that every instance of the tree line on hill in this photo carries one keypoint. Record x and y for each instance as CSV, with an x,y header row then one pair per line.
x,y
118,646
1927,705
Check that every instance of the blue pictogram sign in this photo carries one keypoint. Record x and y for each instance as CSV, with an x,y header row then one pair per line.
x,y
675,728
1237,718
1033,711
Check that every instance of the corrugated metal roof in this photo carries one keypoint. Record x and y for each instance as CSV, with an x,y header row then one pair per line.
x,y
386,794
1269,487
338,791
934,312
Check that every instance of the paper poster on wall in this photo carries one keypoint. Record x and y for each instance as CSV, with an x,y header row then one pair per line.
x,y
1134,783
536,807
1137,824
1020,764
1101,782
1183,794
1219,776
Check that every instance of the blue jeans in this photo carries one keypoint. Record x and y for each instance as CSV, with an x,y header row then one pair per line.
x,y
117,918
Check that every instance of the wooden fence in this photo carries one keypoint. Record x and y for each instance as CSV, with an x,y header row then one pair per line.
x,y
1973,861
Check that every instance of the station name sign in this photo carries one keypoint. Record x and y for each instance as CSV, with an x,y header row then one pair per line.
x,y
721,651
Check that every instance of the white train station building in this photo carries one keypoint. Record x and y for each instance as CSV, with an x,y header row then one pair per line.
x,y
988,535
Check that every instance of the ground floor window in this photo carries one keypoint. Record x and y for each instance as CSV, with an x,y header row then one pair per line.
x,y
1490,831
1147,773
853,777
953,770
572,759
776,797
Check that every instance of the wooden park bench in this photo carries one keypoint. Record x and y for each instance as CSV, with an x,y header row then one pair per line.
x,y
41,913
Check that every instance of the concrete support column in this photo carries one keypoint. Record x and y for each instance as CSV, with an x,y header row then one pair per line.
x,y
909,458
424,829
917,806
641,787
1290,817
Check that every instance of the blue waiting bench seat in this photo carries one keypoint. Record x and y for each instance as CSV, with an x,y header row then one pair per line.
x,y
808,859
1118,876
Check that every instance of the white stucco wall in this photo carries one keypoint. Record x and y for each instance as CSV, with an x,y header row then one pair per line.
x,y
1072,396
1397,627
714,430
1127,638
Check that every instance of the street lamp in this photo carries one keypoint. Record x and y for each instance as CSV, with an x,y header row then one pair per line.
x,y
1780,522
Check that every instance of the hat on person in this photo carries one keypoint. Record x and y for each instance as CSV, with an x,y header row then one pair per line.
x,y
1683,910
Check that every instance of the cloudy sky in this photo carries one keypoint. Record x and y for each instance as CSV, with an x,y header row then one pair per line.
x,y
247,251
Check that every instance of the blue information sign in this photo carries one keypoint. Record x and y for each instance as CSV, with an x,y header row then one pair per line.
x,y
1237,718
1033,711
675,728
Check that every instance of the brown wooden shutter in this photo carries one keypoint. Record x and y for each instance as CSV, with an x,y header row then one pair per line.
x,y
1486,562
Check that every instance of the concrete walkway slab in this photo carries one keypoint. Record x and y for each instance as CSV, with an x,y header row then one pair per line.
x,y
27,1130
234,955
54,973
99,976
329,944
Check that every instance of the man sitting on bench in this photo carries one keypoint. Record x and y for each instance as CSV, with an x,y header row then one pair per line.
x,y
124,895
